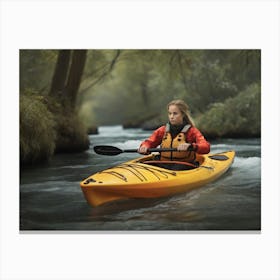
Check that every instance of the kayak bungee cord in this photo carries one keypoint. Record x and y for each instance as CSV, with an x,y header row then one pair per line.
x,y
133,169
117,174
135,172
153,170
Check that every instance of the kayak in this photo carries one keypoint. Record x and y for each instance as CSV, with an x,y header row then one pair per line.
x,y
147,177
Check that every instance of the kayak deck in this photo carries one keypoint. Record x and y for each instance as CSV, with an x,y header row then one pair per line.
x,y
149,178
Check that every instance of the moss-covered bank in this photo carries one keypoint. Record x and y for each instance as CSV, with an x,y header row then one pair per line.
x,y
37,131
47,127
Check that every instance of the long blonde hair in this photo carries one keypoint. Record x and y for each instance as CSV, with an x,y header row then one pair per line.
x,y
184,109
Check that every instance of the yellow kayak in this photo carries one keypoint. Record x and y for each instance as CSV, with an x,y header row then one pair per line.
x,y
146,177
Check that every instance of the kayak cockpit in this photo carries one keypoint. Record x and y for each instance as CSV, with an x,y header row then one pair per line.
x,y
171,165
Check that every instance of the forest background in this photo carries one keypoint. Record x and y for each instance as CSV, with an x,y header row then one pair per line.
x,y
67,94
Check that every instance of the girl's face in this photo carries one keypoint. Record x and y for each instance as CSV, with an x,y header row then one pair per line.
x,y
175,116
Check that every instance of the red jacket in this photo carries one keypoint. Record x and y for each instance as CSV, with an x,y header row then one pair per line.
x,y
193,136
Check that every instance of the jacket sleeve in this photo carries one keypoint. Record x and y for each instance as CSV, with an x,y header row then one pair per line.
x,y
195,137
155,139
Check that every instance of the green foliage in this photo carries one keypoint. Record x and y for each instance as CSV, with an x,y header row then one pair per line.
x,y
238,116
136,89
36,70
37,130
142,82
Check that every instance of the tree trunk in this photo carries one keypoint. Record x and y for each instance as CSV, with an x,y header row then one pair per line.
x,y
60,73
75,75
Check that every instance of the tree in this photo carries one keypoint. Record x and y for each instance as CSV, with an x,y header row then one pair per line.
x,y
71,133
68,74
60,72
75,75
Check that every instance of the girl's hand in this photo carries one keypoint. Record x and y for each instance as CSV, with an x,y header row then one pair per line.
x,y
143,150
183,147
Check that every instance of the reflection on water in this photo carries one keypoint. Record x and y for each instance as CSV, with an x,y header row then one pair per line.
x,y
51,198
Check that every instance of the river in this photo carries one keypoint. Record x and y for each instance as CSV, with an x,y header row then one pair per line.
x,y
51,197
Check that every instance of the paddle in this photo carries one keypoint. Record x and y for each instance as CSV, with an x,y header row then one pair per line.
x,y
113,151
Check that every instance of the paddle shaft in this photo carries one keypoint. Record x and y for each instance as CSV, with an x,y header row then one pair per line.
x,y
113,151
151,150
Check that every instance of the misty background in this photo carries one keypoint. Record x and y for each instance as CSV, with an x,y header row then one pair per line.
x,y
67,94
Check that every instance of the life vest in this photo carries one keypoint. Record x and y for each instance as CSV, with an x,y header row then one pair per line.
x,y
168,142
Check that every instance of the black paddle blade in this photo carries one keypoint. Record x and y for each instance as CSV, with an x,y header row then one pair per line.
x,y
107,150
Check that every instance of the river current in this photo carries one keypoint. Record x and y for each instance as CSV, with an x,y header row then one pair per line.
x,y
51,197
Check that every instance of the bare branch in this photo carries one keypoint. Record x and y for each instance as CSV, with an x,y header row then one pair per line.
x,y
104,74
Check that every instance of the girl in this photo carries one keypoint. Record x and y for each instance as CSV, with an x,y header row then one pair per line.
x,y
180,132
